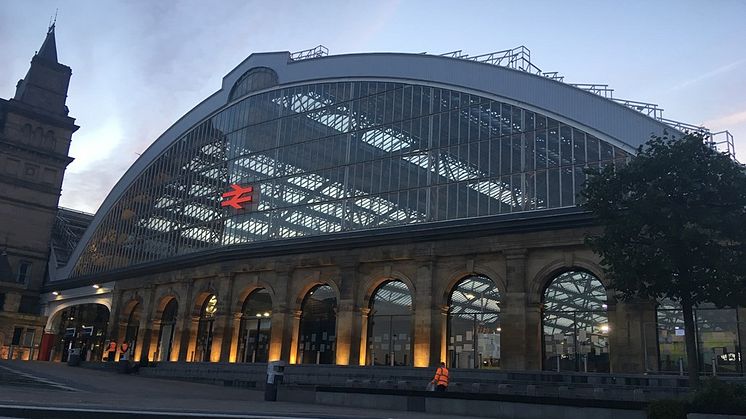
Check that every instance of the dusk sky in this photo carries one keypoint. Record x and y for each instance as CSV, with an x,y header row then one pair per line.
x,y
140,65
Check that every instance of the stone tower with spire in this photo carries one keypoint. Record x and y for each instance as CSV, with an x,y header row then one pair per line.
x,y
35,133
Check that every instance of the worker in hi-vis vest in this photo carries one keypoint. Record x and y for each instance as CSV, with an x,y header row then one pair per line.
x,y
441,378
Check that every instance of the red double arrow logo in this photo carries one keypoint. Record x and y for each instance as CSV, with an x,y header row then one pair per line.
x,y
238,196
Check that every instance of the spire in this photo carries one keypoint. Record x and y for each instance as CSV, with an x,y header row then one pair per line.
x,y
48,49
45,84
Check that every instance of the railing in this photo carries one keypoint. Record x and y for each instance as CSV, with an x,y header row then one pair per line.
x,y
319,51
519,58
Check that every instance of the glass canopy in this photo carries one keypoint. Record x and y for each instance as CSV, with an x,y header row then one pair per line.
x,y
333,157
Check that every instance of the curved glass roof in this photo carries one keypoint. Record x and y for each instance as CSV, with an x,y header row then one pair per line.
x,y
325,158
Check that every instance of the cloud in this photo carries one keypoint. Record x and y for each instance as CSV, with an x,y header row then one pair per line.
x,y
716,72
729,120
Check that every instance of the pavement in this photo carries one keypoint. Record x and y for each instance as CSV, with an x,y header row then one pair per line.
x,y
38,389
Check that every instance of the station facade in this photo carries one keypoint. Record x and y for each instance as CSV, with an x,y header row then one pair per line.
x,y
373,209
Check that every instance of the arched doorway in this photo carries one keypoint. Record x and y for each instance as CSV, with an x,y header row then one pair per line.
x,y
84,327
132,329
256,324
318,326
166,335
390,325
575,324
205,328
474,324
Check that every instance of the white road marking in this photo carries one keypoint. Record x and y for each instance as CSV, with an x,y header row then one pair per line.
x,y
155,412
39,379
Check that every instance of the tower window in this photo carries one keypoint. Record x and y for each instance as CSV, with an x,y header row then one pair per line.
x,y
24,271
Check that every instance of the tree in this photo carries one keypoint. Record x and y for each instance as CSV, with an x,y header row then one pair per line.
x,y
674,225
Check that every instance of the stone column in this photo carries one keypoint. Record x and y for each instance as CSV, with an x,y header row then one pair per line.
x,y
281,334
348,319
520,321
290,336
235,333
186,329
152,348
146,324
113,326
632,336
223,332
364,315
534,336
427,319
439,340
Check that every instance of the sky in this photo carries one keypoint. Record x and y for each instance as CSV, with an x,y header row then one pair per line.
x,y
139,65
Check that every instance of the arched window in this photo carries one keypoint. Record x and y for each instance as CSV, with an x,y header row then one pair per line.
x,y
133,327
718,341
390,325
205,328
318,327
168,325
575,324
474,324
256,323
257,78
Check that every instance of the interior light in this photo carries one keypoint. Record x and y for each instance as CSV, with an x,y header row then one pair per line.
x,y
266,314
96,286
259,314
604,328
55,293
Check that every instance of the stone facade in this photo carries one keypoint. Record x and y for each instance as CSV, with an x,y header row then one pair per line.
x,y
520,264
35,133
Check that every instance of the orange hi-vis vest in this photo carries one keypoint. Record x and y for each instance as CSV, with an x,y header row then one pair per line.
x,y
441,376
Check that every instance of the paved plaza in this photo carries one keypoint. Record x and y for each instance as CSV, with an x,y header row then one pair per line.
x,y
83,393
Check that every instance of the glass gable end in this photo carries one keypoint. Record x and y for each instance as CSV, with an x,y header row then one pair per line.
x,y
334,157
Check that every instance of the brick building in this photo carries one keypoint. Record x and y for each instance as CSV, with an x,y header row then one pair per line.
x,y
35,133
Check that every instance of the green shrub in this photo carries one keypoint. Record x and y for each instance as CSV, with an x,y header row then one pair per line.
x,y
667,409
715,396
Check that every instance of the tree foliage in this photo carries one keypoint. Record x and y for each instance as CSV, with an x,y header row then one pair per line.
x,y
674,223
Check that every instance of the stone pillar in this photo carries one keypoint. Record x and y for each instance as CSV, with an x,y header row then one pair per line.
x,y
281,334
348,319
187,329
439,339
290,336
223,332
146,324
221,335
152,345
235,333
632,336
113,326
514,331
520,335
427,319
534,336
364,315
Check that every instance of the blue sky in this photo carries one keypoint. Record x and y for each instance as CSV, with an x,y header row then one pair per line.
x,y
139,65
